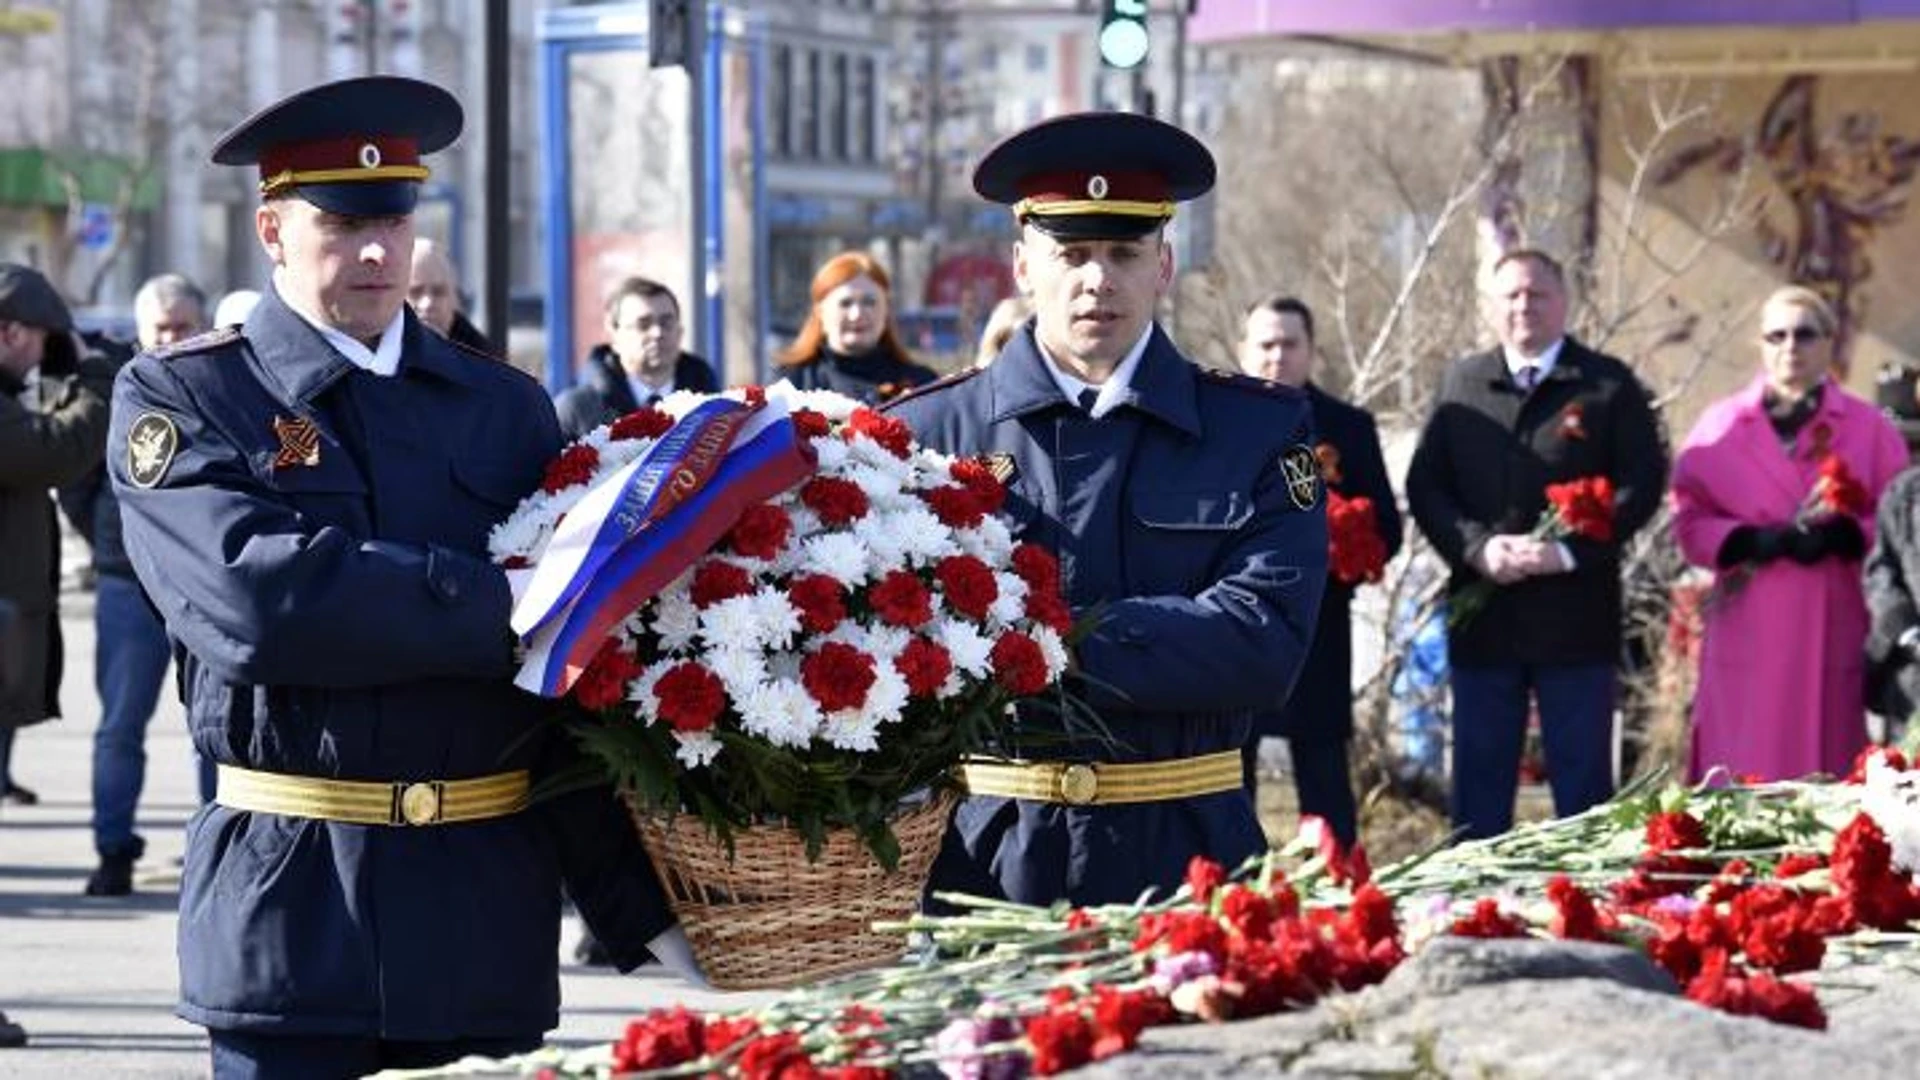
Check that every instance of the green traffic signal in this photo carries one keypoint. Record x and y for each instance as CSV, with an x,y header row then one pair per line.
x,y
1123,34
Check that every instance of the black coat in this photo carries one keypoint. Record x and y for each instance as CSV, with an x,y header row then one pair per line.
x,y
603,393
340,618
1322,701
875,378
1484,461
1892,577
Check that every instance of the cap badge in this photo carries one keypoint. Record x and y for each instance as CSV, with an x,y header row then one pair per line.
x,y
369,156
1096,186
151,443
299,443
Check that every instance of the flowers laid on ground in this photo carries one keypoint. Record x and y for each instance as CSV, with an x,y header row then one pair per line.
x,y
1577,508
780,607
1355,550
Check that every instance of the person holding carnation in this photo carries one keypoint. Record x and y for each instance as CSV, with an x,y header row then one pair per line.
x,y
1185,510
1774,491
1277,343
849,344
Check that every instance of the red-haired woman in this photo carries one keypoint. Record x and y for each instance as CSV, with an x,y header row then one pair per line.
x,y
848,344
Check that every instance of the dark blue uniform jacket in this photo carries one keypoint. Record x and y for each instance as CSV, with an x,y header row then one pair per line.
x,y
1173,520
1349,450
341,620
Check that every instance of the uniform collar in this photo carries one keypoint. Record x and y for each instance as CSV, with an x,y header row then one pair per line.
x,y
1160,385
298,361
1109,395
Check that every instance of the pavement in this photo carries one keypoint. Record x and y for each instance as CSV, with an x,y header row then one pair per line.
x,y
93,980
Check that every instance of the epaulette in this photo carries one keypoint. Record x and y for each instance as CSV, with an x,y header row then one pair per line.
x,y
212,339
941,383
1247,382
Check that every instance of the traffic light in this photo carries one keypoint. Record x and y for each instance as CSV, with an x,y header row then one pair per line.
x,y
1123,34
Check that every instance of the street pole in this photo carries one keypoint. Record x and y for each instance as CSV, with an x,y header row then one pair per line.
x,y
498,162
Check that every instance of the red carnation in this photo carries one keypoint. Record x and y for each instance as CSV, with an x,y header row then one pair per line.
x,y
1037,567
723,1032
838,676
515,562
659,1040
775,1057
1061,1040
1119,1016
1203,876
820,600
691,697
1488,921
717,580
889,431
1018,663
761,532
604,684
902,599
1837,491
755,394
955,506
1575,917
1049,610
925,665
647,423
1355,552
811,424
1249,913
1583,507
975,475
1675,830
838,501
967,584
575,465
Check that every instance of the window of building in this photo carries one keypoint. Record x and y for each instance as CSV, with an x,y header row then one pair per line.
x,y
1036,57
782,98
866,110
837,111
806,107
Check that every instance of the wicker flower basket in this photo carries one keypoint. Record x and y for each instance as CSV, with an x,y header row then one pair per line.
x,y
768,918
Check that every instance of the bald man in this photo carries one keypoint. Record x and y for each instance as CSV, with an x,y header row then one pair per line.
x,y
434,294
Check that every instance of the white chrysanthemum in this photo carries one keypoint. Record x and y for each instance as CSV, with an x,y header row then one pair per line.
x,y
739,670
852,729
882,489
832,454
887,697
1011,604
840,556
884,546
779,711
1053,647
676,620
835,407
641,690
775,616
970,649
697,749
1891,798
877,640
922,536
991,541
730,624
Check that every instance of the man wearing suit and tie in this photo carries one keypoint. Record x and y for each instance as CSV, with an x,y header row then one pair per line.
x,y
1277,343
1540,409
639,365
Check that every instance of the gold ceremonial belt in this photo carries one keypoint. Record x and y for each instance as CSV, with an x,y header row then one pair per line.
x,y
1104,783
365,802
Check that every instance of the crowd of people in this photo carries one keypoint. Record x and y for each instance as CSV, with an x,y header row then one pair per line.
x,y
288,500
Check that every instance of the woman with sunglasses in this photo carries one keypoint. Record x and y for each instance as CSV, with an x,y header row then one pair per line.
x,y
1774,491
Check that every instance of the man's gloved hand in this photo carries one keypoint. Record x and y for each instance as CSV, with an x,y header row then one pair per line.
x,y
1756,544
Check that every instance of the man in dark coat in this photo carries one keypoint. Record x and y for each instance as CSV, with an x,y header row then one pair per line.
x,y
53,424
1185,510
1541,409
433,291
639,364
307,500
1892,573
1277,343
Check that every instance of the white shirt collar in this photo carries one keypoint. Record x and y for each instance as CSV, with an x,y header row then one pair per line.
x,y
383,359
643,390
1115,391
1548,357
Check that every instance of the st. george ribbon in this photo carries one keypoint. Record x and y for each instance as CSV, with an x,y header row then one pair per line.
x,y
640,528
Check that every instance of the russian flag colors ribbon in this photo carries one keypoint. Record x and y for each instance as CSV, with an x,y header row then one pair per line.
x,y
640,528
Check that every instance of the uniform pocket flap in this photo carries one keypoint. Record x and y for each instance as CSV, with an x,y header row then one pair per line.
x,y
1192,510
501,483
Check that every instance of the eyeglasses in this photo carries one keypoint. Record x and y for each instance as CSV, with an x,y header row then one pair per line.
x,y
1801,335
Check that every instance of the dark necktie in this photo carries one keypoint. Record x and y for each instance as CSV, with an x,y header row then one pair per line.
x,y
1529,377
1087,399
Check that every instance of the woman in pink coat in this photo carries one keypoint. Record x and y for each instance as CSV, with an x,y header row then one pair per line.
x,y
1786,624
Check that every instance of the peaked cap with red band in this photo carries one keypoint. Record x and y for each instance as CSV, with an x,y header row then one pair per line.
x,y
349,147
1095,175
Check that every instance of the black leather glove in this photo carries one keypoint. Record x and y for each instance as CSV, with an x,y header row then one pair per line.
x,y
1757,544
1836,537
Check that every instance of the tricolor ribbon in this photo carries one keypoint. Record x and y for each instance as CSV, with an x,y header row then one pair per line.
x,y
641,527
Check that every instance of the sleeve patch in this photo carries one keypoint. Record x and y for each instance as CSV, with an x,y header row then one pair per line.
x,y
151,444
1302,472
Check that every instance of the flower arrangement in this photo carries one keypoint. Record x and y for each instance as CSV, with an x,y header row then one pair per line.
x,y
1582,508
828,615
1355,551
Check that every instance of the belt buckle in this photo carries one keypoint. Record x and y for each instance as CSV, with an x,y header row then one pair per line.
x,y
417,803
1078,784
